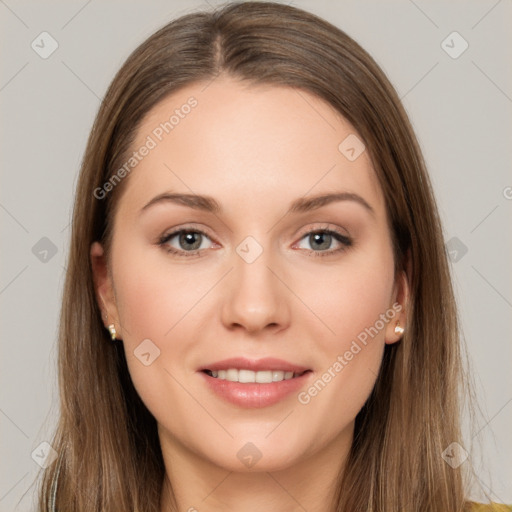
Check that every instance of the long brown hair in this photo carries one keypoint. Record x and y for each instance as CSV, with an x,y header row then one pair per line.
x,y
109,456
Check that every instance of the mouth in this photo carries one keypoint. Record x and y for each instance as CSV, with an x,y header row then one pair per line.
x,y
244,376
251,383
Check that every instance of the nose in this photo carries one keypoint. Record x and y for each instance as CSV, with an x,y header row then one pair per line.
x,y
255,298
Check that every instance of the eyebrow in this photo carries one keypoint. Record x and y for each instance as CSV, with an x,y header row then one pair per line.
x,y
300,205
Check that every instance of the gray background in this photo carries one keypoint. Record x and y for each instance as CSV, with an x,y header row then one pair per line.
x,y
461,111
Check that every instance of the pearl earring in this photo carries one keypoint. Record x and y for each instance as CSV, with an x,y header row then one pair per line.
x,y
398,329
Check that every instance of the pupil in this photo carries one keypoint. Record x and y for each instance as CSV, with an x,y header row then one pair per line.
x,y
325,237
188,239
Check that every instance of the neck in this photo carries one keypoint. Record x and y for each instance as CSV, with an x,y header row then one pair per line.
x,y
198,484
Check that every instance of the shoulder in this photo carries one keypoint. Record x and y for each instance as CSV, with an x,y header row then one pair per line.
x,y
488,507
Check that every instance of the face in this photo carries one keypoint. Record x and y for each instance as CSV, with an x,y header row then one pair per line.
x,y
268,273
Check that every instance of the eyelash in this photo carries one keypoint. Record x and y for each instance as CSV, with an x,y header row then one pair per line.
x,y
344,240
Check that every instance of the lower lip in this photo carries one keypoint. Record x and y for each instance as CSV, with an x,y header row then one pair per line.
x,y
255,395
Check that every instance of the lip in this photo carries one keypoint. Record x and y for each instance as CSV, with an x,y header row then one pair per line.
x,y
255,395
267,363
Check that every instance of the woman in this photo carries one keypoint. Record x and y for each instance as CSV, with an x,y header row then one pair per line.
x,y
209,360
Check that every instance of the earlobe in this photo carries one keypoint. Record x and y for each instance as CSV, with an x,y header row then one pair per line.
x,y
397,327
103,285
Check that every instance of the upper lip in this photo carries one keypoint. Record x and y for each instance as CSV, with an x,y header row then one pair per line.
x,y
267,363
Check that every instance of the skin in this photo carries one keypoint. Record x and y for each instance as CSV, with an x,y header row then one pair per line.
x,y
254,149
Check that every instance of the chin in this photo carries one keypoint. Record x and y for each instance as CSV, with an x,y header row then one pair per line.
x,y
255,463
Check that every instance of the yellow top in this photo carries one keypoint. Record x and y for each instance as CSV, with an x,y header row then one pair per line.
x,y
490,507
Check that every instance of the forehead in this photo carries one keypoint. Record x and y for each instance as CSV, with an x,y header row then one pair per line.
x,y
233,139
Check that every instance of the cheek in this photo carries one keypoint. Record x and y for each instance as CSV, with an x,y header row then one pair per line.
x,y
152,296
349,298
353,303
155,305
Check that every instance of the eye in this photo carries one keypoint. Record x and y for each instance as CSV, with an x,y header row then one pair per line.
x,y
183,241
188,242
322,240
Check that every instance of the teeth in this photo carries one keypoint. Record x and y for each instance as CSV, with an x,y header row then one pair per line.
x,y
245,376
277,375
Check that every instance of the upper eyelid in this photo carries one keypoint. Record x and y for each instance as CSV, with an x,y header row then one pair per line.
x,y
325,227
185,227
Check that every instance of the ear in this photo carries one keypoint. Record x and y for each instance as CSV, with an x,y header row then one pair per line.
x,y
400,302
103,286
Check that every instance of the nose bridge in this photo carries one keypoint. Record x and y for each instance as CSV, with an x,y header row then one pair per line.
x,y
255,298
